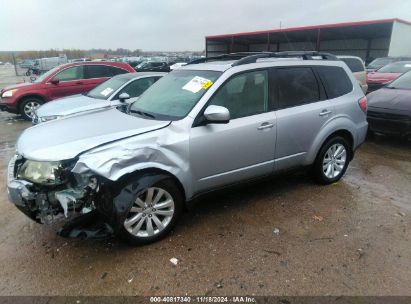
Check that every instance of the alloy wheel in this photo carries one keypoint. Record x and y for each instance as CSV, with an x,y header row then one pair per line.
x,y
30,107
150,213
334,160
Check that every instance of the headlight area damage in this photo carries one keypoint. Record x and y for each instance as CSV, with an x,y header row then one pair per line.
x,y
91,186
48,192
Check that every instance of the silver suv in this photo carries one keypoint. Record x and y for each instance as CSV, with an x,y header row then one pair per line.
x,y
212,123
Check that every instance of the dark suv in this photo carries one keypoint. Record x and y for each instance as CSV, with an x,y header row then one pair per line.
x,y
64,80
153,66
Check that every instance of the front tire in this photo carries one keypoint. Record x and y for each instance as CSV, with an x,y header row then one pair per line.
x,y
332,160
28,106
153,214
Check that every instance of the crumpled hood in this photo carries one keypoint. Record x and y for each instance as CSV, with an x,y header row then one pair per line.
x,y
70,105
66,138
394,99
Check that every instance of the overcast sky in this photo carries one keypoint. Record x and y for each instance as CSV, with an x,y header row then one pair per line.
x,y
168,25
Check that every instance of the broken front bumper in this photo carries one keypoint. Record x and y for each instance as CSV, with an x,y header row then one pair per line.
x,y
45,205
17,189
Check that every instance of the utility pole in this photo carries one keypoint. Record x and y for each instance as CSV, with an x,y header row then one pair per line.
x,y
14,63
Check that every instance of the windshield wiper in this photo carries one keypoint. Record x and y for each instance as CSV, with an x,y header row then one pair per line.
x,y
143,113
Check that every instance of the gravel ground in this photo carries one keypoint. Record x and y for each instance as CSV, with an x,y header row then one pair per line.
x,y
282,236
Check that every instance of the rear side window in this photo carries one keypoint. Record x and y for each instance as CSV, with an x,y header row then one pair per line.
x,y
97,71
296,86
335,80
113,71
354,64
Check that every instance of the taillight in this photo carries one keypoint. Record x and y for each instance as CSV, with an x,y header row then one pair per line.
x,y
363,104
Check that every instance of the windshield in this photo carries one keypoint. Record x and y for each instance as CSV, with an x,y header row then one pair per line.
x,y
45,75
403,82
174,95
107,88
398,67
380,62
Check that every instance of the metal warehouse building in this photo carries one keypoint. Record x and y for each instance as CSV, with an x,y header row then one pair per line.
x,y
366,39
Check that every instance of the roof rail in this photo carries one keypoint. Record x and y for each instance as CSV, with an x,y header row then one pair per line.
x,y
305,55
252,57
230,56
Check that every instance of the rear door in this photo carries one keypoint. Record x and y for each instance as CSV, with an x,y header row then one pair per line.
x,y
94,75
70,82
302,111
221,154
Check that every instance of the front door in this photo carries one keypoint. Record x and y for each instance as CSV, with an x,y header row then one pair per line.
x,y
222,154
71,82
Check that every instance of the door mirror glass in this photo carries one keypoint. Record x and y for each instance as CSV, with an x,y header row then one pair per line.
x,y
55,80
123,97
217,114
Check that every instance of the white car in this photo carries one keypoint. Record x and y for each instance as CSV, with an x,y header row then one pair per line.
x,y
177,65
120,89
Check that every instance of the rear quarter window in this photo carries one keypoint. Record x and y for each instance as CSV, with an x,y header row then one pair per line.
x,y
354,64
335,80
116,71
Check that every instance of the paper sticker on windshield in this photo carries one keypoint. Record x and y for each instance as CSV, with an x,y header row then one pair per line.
x,y
106,91
197,83
408,65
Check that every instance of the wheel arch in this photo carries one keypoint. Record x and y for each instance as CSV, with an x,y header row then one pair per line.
x,y
154,171
345,131
22,98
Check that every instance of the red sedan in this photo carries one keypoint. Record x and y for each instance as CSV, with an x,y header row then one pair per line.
x,y
386,74
64,80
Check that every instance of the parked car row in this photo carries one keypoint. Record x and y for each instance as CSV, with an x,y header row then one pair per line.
x,y
136,169
386,74
390,108
118,91
64,80
378,63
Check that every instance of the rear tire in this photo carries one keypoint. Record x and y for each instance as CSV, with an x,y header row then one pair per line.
x,y
154,213
332,160
28,106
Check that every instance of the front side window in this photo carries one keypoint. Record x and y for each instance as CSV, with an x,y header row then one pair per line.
x,y
137,87
296,86
73,73
244,95
44,76
107,88
174,95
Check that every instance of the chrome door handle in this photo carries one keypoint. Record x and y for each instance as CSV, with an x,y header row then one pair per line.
x,y
265,125
325,112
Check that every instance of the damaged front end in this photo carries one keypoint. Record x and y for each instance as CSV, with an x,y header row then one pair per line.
x,y
48,192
